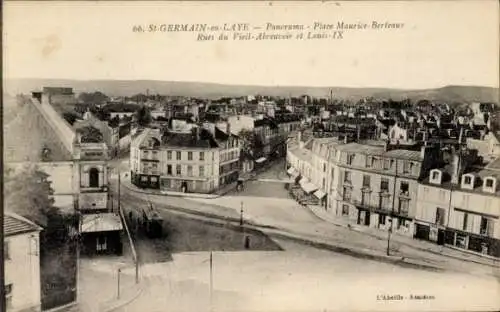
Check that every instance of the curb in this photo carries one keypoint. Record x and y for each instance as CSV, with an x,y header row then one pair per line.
x,y
355,228
125,302
65,306
182,195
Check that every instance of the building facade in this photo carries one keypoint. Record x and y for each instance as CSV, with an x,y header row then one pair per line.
x,y
22,264
460,206
200,161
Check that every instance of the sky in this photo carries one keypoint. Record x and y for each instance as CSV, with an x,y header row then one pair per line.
x,y
441,43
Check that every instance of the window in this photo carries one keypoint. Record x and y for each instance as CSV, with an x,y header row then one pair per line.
x,y
202,155
387,164
407,167
384,185
144,179
489,182
466,221
350,159
6,250
345,210
324,183
154,179
435,175
178,169
440,216
169,155
404,206
93,177
347,177
346,196
366,181
201,170
486,226
190,171
381,219
8,296
190,155
404,188
324,167
178,157
169,169
369,161
467,180
101,243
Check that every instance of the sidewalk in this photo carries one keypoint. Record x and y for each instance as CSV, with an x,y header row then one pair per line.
x,y
125,181
98,284
407,241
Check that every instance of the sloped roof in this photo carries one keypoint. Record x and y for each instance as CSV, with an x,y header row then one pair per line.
x,y
28,134
189,140
14,224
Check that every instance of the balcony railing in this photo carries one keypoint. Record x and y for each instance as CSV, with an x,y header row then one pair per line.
x,y
379,209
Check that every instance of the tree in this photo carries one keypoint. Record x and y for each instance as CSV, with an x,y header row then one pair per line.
x,y
252,144
93,98
28,193
143,116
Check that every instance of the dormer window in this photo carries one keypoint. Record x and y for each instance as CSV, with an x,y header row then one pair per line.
x,y
468,181
436,176
489,184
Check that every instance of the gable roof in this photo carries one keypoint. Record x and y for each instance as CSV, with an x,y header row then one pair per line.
x,y
14,224
32,131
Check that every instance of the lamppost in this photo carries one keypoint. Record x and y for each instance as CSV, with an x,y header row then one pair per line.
x,y
241,214
389,236
118,290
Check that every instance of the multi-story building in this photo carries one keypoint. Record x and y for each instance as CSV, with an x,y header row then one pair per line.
x,y
200,160
379,186
22,263
459,205
273,132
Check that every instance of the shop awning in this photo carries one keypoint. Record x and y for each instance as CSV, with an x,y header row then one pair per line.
x,y
102,222
308,187
261,160
319,194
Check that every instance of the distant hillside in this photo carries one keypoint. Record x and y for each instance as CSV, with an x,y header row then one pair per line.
x,y
213,90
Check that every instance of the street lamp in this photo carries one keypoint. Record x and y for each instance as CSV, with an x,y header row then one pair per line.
x,y
119,271
389,236
241,214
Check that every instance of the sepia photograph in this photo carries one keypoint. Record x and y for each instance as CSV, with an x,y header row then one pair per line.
x,y
227,156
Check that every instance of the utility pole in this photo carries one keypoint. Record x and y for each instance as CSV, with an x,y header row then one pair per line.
x,y
119,187
211,281
392,211
118,289
241,214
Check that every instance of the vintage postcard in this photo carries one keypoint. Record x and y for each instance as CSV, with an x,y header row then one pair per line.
x,y
251,156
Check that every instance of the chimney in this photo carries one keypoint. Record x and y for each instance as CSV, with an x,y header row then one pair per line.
x,y
299,136
456,165
228,128
358,134
424,150
460,136
345,139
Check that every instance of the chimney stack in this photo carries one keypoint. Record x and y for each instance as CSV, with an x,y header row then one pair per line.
x,y
460,136
345,139
456,164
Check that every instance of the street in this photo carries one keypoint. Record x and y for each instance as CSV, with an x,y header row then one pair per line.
x,y
275,213
299,279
